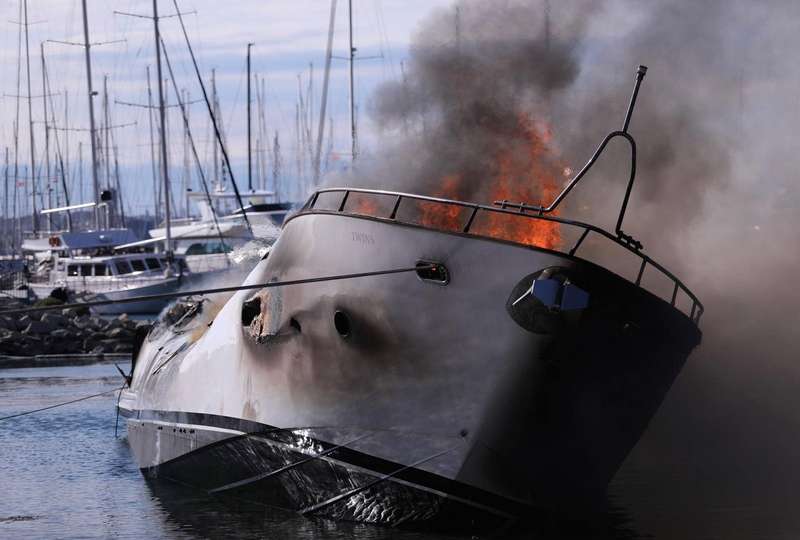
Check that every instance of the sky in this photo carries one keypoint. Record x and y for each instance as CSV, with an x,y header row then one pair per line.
x,y
288,36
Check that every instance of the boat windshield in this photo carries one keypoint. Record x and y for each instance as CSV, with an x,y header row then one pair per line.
x,y
138,265
123,267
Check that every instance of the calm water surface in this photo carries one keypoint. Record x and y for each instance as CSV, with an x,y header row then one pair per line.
x,y
64,475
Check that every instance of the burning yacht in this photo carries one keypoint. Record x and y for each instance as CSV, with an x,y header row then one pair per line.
x,y
499,375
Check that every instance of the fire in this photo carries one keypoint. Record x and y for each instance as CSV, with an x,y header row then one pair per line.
x,y
360,204
448,217
526,170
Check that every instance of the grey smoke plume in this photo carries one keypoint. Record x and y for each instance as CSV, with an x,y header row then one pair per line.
x,y
714,200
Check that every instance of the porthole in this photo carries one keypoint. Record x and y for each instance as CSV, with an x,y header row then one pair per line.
x,y
342,323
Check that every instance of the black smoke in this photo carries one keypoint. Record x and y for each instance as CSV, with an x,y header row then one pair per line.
x,y
715,200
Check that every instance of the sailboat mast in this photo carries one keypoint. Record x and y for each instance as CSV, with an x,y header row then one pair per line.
x,y
353,133
92,134
5,206
106,143
215,155
324,104
67,172
186,183
162,117
153,159
46,140
80,170
249,130
30,121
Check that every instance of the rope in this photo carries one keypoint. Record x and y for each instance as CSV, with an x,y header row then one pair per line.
x,y
60,404
165,296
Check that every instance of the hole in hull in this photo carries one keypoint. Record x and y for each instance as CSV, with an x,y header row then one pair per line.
x,y
433,272
295,324
341,321
250,310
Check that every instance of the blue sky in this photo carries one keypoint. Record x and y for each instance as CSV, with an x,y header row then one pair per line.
x,y
288,35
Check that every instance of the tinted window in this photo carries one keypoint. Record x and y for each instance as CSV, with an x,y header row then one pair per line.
x,y
100,269
72,270
152,264
138,265
123,267
86,269
196,249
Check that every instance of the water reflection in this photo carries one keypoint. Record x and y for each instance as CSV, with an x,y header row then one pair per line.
x,y
193,512
64,474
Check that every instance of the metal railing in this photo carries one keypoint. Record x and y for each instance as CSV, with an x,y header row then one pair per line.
x,y
519,211
547,213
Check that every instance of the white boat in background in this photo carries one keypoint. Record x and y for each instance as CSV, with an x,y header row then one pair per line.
x,y
86,263
206,242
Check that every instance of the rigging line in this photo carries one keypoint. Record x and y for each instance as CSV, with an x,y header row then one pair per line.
x,y
213,118
84,398
201,292
194,149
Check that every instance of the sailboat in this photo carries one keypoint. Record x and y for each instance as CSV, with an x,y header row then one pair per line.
x,y
105,263
207,241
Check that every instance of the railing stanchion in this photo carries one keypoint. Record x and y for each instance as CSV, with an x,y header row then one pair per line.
x,y
471,219
396,207
674,293
579,242
344,200
641,272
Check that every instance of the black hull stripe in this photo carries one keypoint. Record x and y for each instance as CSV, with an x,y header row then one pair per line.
x,y
423,479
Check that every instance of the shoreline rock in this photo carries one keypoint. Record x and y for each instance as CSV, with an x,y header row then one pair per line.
x,y
64,332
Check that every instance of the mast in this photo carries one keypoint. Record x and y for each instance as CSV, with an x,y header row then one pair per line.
x,y
46,139
324,104
67,174
80,169
17,210
120,201
162,117
92,134
249,136
106,143
276,164
187,172
30,121
353,133
216,111
153,159
261,147
5,203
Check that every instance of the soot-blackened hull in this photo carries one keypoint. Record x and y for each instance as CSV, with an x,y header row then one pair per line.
x,y
278,467
440,400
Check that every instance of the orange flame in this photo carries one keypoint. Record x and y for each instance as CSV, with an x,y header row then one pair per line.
x,y
524,171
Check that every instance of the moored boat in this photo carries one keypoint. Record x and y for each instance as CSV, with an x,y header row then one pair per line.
x,y
474,378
